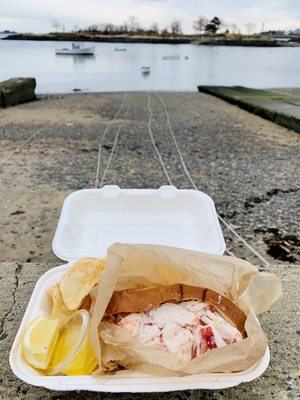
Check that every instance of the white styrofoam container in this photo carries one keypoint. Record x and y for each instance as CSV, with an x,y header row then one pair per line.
x,y
93,219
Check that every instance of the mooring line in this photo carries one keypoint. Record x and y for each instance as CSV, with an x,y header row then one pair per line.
x,y
153,141
10,121
228,226
26,141
36,133
114,147
99,158
6,123
175,142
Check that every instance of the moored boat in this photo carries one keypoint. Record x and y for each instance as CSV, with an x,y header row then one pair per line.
x,y
172,57
145,70
77,49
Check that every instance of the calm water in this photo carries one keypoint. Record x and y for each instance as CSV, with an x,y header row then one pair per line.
x,y
111,70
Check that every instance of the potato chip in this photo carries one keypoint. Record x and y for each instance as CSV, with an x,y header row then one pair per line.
x,y
79,280
59,310
93,296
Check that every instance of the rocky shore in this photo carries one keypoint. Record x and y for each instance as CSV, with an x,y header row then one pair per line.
x,y
50,147
215,40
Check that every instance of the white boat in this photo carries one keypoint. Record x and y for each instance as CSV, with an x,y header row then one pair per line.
x,y
145,70
77,49
172,57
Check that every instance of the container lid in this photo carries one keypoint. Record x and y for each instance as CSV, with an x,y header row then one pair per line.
x,y
93,219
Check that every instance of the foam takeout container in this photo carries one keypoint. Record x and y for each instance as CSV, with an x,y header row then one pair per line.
x,y
93,219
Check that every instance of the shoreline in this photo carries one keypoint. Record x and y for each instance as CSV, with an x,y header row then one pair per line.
x,y
216,40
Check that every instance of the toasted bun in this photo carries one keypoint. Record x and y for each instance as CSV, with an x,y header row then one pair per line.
x,y
192,292
138,300
141,300
227,309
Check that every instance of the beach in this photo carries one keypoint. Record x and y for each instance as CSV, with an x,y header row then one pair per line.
x,y
50,148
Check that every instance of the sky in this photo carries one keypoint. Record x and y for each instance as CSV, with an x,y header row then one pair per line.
x,y
37,16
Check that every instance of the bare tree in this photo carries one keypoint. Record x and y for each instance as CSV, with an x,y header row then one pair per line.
x,y
223,26
108,28
233,28
200,24
133,24
124,26
154,27
250,27
176,27
93,28
55,24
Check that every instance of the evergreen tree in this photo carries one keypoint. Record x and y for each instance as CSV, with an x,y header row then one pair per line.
x,y
213,26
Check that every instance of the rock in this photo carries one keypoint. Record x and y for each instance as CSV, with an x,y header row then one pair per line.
x,y
17,90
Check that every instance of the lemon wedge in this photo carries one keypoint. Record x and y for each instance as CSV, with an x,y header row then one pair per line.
x,y
39,340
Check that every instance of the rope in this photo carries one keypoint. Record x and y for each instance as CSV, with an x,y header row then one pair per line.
x,y
241,239
99,160
5,123
228,226
13,120
153,142
36,133
176,144
24,143
113,148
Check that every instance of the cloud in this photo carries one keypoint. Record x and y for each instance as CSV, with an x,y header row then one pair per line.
x,y
32,15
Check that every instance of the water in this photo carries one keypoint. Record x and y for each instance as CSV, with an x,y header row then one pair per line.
x,y
111,70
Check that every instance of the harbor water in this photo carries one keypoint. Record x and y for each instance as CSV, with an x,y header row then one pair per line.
x,y
118,66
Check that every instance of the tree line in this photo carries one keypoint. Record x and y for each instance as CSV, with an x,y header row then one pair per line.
x,y
132,25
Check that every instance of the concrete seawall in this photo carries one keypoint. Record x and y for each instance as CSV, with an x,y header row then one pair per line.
x,y
279,381
280,107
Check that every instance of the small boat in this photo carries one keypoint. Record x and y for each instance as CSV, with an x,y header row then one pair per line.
x,y
77,49
145,70
172,57
120,49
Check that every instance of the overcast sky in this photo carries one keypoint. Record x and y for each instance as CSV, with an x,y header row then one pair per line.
x,y
36,15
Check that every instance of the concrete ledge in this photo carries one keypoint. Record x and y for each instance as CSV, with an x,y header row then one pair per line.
x,y
279,381
278,108
17,90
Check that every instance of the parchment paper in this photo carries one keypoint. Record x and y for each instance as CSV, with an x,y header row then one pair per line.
x,y
136,266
